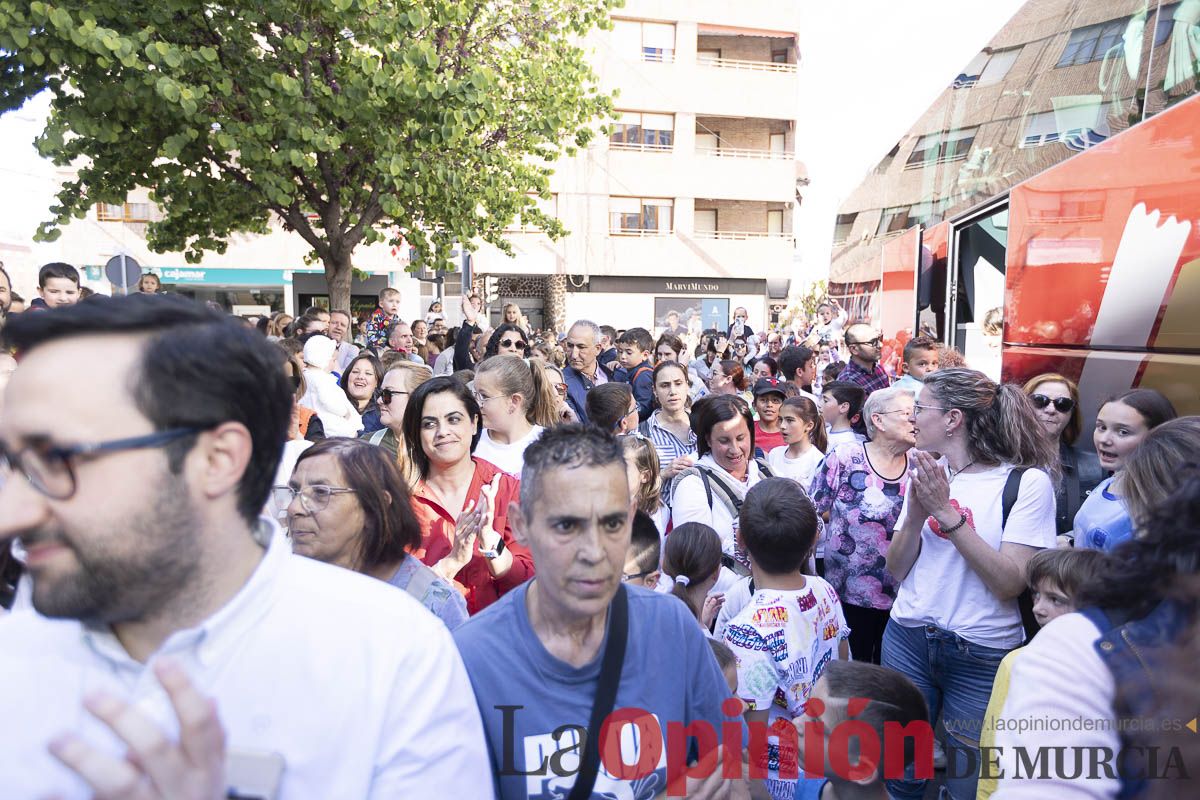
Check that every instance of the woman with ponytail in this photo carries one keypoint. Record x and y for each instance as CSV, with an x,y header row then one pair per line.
x,y
960,565
517,403
692,558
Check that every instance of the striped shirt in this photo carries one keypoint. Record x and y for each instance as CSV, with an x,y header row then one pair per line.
x,y
666,444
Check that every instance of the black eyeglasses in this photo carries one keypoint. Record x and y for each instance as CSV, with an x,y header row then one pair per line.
x,y
520,345
1063,405
878,340
50,471
387,395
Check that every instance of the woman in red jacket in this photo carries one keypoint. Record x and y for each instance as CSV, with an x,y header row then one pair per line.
x,y
461,502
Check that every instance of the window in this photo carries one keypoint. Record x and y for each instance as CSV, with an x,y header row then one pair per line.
x,y
1166,23
708,142
127,212
706,221
649,41
548,207
637,216
987,68
777,144
901,218
843,226
774,223
1077,126
637,131
941,147
706,56
1091,43
779,56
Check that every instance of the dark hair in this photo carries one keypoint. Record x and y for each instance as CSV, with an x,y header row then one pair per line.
x,y
315,311
1153,407
607,404
809,412
847,392
1066,568
792,359
1157,563
645,543
893,700
198,369
56,269
568,447
672,341
830,372
665,365
390,527
770,362
7,277
299,326
609,331
736,373
923,343
376,365
778,525
416,408
710,411
493,345
639,338
693,550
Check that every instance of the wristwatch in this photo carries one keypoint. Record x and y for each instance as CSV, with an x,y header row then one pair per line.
x,y
493,554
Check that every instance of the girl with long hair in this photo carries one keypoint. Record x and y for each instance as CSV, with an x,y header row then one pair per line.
x,y
517,404
692,559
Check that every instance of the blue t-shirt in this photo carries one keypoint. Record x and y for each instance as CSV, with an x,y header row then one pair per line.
x,y
1102,522
810,788
526,696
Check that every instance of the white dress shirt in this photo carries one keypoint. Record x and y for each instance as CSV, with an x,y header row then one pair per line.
x,y
356,685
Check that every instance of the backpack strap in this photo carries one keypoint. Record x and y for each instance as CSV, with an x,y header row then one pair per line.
x,y
606,695
1012,490
377,436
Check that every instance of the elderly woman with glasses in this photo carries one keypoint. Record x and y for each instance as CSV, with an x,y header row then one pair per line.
x,y
859,488
462,502
517,404
348,505
1056,400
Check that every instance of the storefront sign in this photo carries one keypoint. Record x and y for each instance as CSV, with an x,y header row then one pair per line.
x,y
194,276
683,285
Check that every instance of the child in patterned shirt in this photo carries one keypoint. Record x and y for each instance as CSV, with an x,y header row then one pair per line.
x,y
385,315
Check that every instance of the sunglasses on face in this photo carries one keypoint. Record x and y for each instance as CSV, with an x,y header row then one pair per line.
x,y
1063,405
386,395
510,343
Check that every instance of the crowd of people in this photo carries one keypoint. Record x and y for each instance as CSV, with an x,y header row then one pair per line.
x,y
296,558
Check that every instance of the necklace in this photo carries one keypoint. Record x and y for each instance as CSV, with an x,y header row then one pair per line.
x,y
955,473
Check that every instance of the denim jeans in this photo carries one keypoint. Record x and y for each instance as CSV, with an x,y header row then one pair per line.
x,y
956,678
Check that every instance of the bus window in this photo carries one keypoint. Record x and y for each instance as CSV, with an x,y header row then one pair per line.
x,y
978,308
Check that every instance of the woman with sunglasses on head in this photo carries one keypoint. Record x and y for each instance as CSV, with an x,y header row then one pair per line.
x,y
517,403
1056,400
1103,521
461,502
360,382
400,380
348,505
612,407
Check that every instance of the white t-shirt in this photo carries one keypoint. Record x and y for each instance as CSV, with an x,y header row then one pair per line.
x,y
848,436
782,641
508,457
689,501
942,589
799,469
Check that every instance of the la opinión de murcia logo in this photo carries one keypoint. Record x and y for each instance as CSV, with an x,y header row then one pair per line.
x,y
634,744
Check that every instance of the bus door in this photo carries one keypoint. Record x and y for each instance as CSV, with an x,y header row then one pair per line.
x,y
931,282
976,287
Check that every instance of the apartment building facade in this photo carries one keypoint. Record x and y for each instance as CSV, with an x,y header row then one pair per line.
x,y
687,204
1059,78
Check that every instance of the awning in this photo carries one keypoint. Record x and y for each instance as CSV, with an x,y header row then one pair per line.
x,y
726,30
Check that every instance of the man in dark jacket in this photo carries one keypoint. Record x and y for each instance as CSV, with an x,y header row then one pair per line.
x,y
583,370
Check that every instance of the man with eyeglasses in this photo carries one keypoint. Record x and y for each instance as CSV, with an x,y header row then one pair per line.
x,y
583,370
866,347
132,481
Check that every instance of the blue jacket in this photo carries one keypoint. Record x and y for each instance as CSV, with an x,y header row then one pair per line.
x,y
577,388
642,384
1135,652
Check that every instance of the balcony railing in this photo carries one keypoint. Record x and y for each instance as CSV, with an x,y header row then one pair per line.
x,y
744,152
639,233
741,236
756,66
638,147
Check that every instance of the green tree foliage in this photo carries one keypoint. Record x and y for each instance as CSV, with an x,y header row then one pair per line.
x,y
352,121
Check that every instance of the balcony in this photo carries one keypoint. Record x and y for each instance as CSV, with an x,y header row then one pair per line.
x,y
752,66
754,153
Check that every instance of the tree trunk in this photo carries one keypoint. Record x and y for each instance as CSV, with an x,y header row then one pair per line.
x,y
339,274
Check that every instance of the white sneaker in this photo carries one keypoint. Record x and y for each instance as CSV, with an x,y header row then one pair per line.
x,y
939,755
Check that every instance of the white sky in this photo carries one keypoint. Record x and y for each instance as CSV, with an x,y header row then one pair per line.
x,y
868,70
